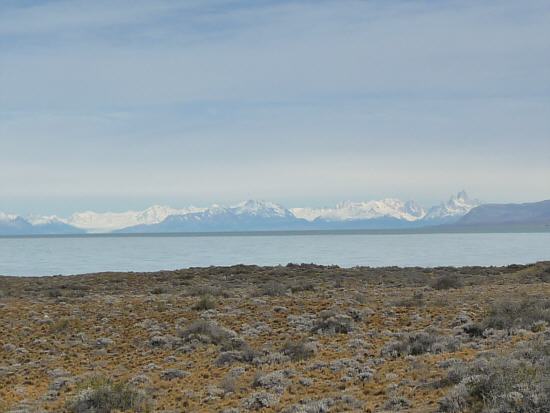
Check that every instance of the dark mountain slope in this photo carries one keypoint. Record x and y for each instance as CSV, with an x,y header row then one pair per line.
x,y
534,213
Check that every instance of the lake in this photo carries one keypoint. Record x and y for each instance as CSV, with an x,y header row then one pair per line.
x,y
28,256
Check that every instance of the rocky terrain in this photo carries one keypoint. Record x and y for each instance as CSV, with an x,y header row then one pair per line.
x,y
295,338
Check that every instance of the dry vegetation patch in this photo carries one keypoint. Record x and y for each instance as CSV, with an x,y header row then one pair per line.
x,y
295,338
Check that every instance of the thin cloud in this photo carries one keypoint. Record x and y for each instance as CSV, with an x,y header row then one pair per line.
x,y
191,97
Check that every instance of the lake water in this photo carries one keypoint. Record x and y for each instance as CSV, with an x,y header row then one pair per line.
x,y
76,255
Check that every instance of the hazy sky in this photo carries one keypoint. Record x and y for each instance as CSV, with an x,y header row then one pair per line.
x,y
118,104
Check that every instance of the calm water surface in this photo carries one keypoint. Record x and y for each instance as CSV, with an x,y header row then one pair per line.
x,y
58,255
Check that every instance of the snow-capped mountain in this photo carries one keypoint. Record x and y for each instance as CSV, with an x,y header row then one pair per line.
x,y
246,216
6,218
44,219
352,211
11,224
456,207
261,209
111,221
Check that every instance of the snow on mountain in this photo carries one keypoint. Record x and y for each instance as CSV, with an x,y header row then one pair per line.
x,y
13,224
7,217
457,206
247,215
261,209
350,211
44,220
16,225
110,221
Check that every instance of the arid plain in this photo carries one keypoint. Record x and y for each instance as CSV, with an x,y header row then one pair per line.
x,y
295,338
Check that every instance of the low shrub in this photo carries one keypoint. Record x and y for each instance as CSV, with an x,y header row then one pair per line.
x,y
60,326
211,333
302,285
416,300
516,382
298,350
446,282
204,290
101,395
206,302
360,298
229,384
275,381
245,354
419,343
331,323
54,293
397,404
272,289
519,313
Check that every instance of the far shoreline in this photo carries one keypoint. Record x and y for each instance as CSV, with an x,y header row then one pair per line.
x,y
442,229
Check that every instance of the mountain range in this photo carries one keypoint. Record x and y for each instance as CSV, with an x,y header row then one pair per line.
x,y
252,215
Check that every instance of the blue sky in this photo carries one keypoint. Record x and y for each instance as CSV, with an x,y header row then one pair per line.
x,y
118,104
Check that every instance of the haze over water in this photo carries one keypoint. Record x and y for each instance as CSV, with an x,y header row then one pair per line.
x,y
67,255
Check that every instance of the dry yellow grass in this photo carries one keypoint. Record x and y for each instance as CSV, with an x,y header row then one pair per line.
x,y
58,331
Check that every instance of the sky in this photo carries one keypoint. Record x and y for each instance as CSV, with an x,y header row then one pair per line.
x,y
120,104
